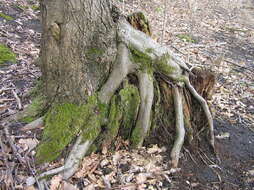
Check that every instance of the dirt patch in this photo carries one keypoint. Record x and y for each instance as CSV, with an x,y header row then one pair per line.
x,y
201,170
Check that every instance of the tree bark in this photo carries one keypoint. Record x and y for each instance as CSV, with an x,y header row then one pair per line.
x,y
78,48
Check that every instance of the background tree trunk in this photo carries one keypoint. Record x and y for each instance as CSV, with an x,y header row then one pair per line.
x,y
78,48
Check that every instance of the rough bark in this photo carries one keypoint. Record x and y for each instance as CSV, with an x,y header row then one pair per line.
x,y
78,47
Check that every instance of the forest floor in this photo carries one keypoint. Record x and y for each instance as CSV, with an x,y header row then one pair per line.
x,y
216,35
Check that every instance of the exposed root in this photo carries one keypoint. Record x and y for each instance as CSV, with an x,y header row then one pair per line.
x,y
77,153
205,107
122,68
51,172
157,59
38,123
180,131
144,115
71,165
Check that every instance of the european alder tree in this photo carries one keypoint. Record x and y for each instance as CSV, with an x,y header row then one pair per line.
x,y
103,76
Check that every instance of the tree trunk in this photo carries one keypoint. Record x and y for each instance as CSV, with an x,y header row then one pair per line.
x,y
78,48
101,72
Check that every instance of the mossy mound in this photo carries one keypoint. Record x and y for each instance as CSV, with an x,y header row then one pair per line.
x,y
64,122
6,55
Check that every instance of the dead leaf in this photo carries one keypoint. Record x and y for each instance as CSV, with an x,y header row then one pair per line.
x,y
28,144
68,186
90,187
55,182
154,149
116,158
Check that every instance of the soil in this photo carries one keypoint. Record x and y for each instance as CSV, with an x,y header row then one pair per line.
x,y
236,154
200,169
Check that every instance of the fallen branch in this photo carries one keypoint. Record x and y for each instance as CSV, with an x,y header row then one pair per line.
x,y
17,99
12,144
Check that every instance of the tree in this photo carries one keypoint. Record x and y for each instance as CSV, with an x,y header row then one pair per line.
x,y
104,76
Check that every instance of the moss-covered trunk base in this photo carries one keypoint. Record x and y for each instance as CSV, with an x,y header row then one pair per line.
x,y
148,97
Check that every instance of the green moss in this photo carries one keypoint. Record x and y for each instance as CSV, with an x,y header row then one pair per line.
x,y
163,66
156,106
123,111
149,50
94,53
58,133
130,101
37,89
92,148
144,61
23,7
136,136
158,9
115,115
90,118
37,107
6,55
34,110
6,17
186,38
35,7
64,122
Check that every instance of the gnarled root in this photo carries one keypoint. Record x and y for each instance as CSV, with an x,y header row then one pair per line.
x,y
77,153
135,46
180,131
38,123
122,67
71,165
205,107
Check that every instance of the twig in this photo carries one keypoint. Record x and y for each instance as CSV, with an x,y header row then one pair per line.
x,y
164,21
186,150
218,175
126,186
6,162
5,89
6,100
11,143
17,99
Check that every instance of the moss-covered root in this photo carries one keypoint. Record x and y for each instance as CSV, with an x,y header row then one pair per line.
x,y
205,107
71,165
77,153
143,122
38,123
180,131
